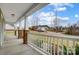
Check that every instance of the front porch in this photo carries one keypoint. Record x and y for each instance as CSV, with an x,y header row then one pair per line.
x,y
40,43
24,40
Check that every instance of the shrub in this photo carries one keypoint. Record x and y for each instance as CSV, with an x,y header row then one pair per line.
x,y
77,49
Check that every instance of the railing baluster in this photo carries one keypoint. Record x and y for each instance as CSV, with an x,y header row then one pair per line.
x,y
67,47
62,47
74,48
54,46
44,43
41,41
47,44
57,46
34,40
30,38
38,41
51,45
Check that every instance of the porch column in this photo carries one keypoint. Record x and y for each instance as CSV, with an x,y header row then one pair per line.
x,y
25,32
19,30
15,30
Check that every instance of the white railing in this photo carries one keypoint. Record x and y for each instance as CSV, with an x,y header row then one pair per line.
x,y
54,43
1,39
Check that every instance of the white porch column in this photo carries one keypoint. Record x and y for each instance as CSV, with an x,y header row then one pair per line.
x,y
2,24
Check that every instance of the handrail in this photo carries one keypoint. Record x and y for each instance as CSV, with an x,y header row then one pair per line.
x,y
53,34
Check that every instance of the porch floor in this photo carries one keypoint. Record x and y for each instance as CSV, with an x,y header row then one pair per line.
x,y
14,46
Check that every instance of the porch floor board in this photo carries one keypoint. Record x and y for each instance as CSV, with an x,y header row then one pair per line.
x,y
14,46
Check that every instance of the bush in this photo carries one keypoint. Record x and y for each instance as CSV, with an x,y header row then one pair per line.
x,y
65,50
77,49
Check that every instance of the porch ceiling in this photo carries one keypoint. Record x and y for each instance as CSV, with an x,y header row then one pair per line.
x,y
13,11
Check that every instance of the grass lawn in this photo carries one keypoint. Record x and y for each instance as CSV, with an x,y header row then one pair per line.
x,y
9,33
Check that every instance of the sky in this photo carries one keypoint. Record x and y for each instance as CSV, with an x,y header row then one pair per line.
x,y
66,13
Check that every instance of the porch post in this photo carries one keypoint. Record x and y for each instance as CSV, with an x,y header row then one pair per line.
x,y
25,32
15,30
19,30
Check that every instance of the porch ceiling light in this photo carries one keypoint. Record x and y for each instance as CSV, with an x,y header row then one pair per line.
x,y
12,15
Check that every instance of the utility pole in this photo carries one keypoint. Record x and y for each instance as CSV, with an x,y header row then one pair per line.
x,y
51,19
56,20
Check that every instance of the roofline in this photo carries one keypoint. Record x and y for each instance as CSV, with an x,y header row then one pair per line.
x,y
32,9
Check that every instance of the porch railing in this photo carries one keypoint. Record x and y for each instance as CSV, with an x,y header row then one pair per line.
x,y
10,32
54,43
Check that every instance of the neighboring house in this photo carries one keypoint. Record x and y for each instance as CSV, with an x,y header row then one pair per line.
x,y
40,28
